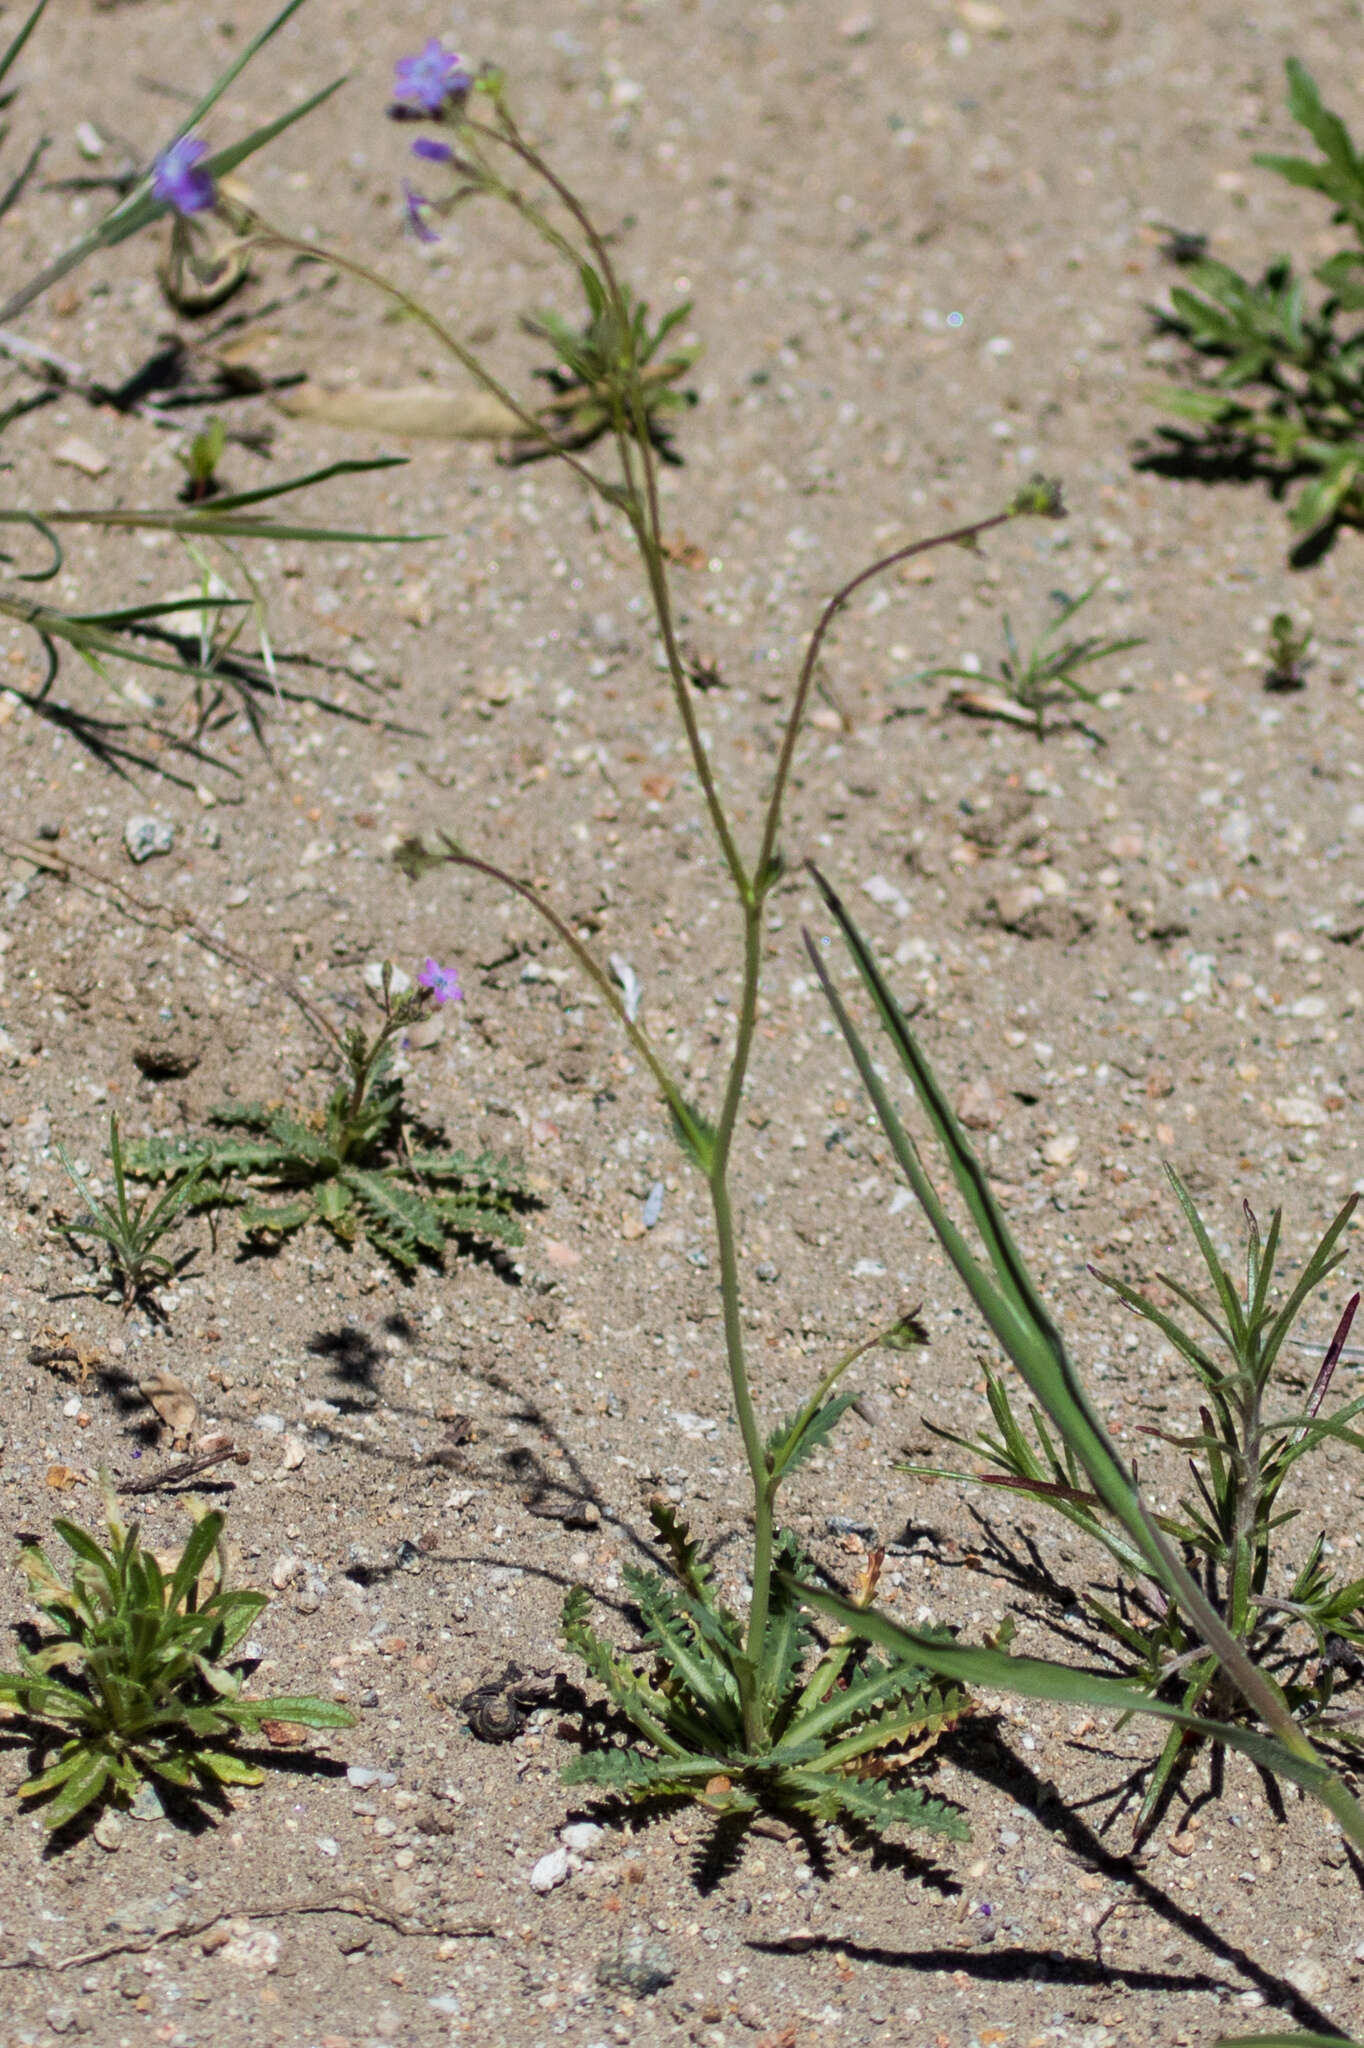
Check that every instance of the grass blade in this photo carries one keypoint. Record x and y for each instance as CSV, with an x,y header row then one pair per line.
x,y
1036,1679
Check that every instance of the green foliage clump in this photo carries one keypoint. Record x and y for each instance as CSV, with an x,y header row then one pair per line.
x,y
837,1736
135,1679
130,1232
351,1165
1031,683
1281,392
610,370
1300,1627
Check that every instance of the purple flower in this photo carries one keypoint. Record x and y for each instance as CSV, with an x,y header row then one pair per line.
x,y
443,983
177,180
416,207
433,151
426,83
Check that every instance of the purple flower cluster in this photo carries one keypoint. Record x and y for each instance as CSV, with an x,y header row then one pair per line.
x,y
177,179
425,85
443,983
424,88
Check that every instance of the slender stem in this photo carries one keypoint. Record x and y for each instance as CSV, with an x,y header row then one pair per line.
x,y
960,536
832,1377
746,1670
646,519
510,138
269,237
638,1038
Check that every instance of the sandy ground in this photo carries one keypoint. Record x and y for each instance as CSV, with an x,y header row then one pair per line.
x,y
1135,950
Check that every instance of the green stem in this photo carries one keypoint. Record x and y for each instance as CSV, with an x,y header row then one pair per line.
x,y
645,518
962,536
592,967
268,237
763,1490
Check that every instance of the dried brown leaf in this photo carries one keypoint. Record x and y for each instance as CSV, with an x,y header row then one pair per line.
x,y
421,412
173,1402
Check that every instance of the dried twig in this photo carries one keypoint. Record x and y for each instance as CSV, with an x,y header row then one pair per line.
x,y
354,1903
185,1468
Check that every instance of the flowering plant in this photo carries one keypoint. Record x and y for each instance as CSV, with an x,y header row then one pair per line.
x,y
358,1164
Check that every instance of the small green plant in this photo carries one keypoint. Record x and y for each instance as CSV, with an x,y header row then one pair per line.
x,y
1288,657
1278,386
130,1233
200,462
1229,1533
839,1731
990,1265
1027,686
135,1679
352,1165
740,1713
592,381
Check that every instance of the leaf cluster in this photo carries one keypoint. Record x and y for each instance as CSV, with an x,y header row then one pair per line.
x,y
351,1166
1294,1625
611,374
1079,1471
843,1726
130,1231
134,1678
1045,674
1281,389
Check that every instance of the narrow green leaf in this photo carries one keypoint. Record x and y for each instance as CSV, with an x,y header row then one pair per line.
x,y
1035,1678
306,1709
20,37
194,1556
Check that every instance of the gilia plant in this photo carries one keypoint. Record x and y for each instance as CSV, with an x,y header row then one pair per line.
x,y
1279,387
182,182
1293,1624
739,1709
134,1678
352,1165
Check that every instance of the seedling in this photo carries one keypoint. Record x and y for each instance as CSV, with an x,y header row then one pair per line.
x,y
201,461
353,1165
608,367
1027,686
838,1731
1246,1456
1288,659
148,1688
130,1233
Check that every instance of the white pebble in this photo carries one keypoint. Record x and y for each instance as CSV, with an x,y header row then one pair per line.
x,y
582,1837
550,1871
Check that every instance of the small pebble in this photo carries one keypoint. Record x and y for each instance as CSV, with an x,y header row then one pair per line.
x,y
108,1831
638,1966
1309,1976
582,1837
550,1871
145,836
147,1805
362,1776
